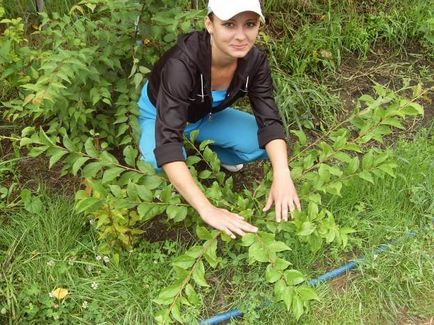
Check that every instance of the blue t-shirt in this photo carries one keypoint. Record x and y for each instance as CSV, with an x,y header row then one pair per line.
x,y
217,97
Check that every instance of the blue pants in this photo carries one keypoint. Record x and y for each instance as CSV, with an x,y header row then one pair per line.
x,y
234,134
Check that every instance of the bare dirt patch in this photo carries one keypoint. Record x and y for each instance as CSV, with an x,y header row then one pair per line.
x,y
388,67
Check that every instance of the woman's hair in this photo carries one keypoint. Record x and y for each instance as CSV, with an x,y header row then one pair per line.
x,y
211,16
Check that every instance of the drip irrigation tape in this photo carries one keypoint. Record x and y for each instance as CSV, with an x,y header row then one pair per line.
x,y
235,313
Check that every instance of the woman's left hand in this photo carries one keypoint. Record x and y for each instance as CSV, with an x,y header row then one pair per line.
x,y
283,194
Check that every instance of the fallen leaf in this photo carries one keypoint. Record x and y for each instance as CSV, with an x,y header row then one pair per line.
x,y
60,293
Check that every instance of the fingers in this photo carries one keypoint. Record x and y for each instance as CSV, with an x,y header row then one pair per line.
x,y
235,224
285,212
278,212
229,233
269,203
297,203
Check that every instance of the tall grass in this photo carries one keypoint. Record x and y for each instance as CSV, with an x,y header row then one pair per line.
x,y
48,246
398,283
21,8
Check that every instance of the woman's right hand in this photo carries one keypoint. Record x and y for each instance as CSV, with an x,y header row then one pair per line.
x,y
226,221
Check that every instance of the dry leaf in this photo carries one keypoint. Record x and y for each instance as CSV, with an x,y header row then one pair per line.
x,y
60,293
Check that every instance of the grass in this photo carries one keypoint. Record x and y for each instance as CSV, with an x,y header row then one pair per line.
x,y
52,247
396,285
46,245
20,8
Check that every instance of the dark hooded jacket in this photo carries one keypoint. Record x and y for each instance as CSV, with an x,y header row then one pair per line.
x,y
180,88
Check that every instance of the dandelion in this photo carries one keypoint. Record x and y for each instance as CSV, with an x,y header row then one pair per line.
x,y
92,222
106,259
84,304
51,263
98,258
94,285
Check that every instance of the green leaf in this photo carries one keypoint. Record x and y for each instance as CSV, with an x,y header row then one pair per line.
x,y
192,296
368,160
334,188
176,313
144,193
203,233
278,246
205,144
111,174
324,172
205,174
184,261
353,165
307,293
388,168
393,122
68,144
193,135
351,147
248,239
91,169
56,157
301,136
87,204
293,277
37,151
272,274
342,156
312,209
169,292
195,251
90,148
306,229
130,155
78,163
257,253
297,307
152,182
279,289
177,213
288,296
366,176
199,274
281,264
192,160
144,210
211,253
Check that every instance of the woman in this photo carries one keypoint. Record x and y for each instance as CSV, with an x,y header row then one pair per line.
x,y
193,86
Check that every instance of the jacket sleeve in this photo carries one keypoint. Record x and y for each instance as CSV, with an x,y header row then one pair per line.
x,y
172,107
264,107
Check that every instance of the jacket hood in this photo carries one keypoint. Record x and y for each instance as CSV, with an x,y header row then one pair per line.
x,y
197,46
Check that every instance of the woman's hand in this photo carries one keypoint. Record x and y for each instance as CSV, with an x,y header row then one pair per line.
x,y
226,221
283,194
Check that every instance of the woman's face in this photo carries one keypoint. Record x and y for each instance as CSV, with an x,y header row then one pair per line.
x,y
233,38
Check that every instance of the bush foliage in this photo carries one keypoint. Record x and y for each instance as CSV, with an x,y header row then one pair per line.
x,y
75,82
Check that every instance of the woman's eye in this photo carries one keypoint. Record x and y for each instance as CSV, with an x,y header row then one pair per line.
x,y
228,25
251,25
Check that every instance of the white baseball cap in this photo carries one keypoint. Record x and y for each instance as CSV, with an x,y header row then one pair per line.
x,y
226,9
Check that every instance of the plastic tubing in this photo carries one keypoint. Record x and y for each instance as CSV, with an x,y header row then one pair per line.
x,y
235,313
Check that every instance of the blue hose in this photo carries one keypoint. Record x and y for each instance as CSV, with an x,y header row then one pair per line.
x,y
235,313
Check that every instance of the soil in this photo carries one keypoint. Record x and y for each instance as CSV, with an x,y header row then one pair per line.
x,y
388,67
406,319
